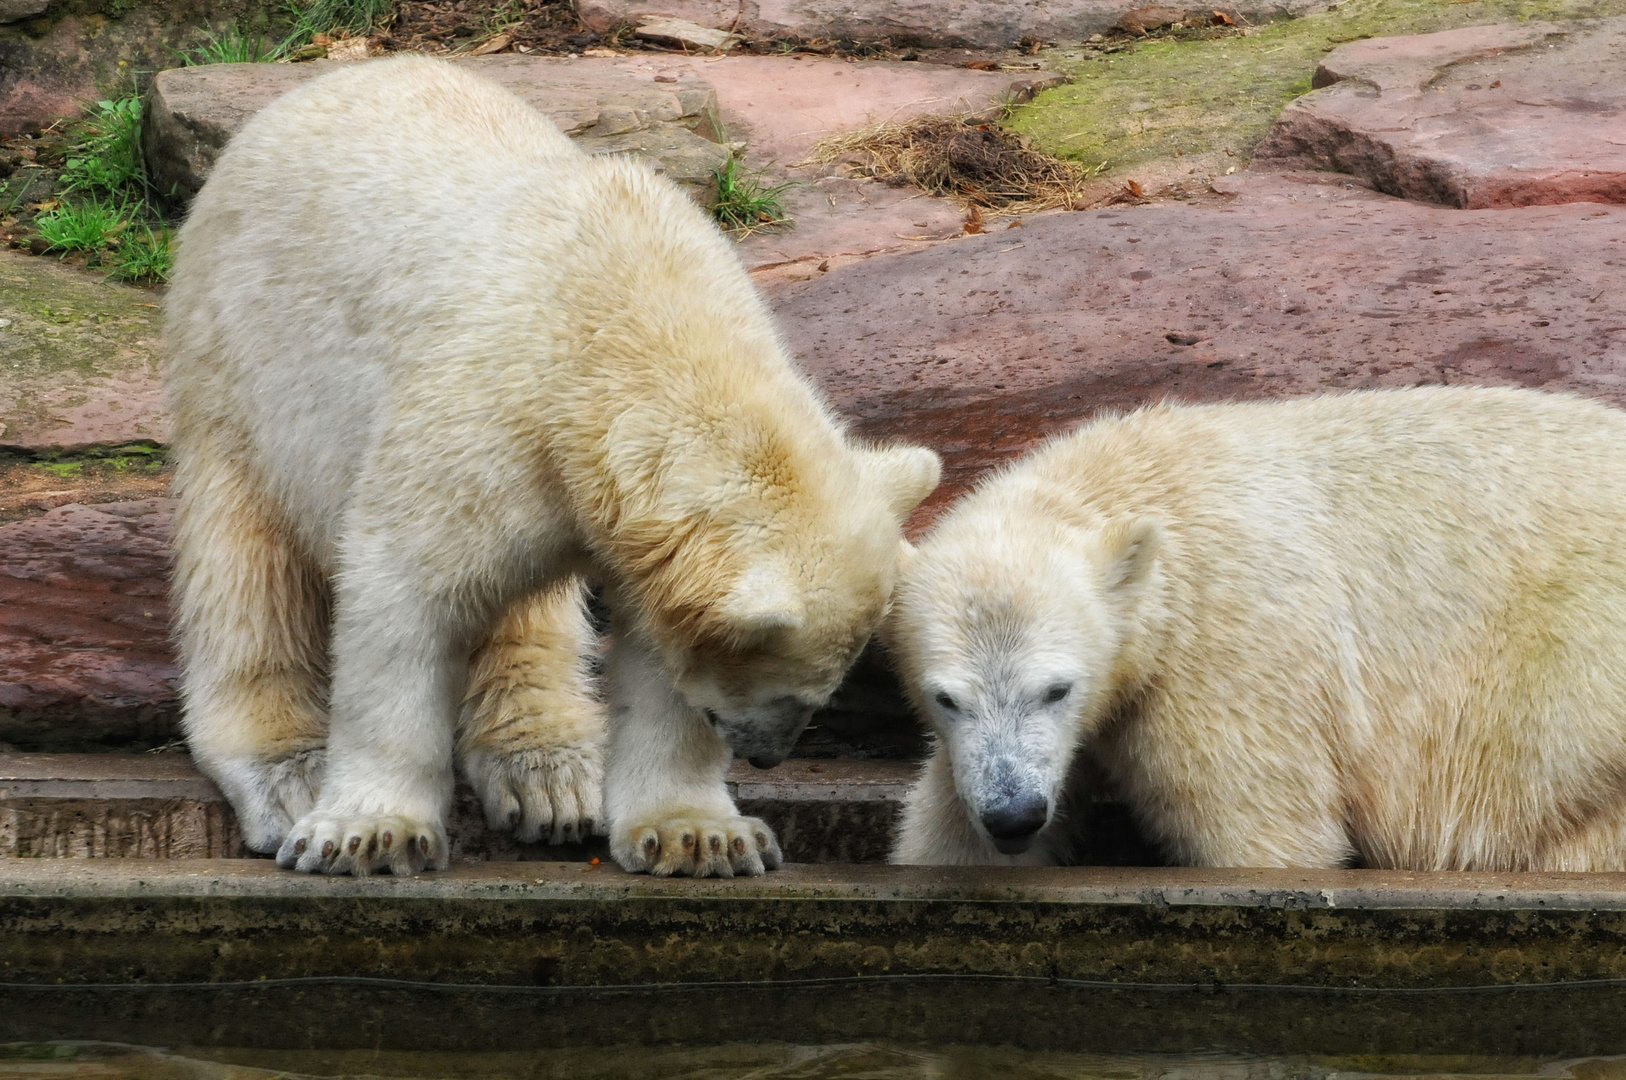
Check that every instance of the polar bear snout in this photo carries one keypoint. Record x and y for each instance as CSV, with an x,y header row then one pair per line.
x,y
764,734
1014,821
1007,796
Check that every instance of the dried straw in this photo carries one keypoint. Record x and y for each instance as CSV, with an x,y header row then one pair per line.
x,y
979,163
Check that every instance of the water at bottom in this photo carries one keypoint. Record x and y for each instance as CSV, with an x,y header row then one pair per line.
x,y
754,1061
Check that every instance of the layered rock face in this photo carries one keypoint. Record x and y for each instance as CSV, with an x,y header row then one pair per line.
x,y
1490,116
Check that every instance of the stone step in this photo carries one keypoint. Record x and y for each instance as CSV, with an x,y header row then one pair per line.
x,y
158,806
234,953
1488,116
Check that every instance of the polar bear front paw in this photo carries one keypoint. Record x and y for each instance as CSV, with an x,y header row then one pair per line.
x,y
697,844
555,795
363,844
269,794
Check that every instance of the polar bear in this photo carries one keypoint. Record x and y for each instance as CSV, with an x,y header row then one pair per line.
x,y
1381,628
431,369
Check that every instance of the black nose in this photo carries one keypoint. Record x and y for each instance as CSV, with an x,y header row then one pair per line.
x,y
766,761
1013,821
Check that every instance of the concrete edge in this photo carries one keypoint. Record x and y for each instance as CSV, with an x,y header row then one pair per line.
x,y
1151,887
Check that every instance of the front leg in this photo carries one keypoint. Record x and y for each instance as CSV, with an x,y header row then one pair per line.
x,y
398,670
669,809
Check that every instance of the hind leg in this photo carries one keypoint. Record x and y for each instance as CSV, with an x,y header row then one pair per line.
x,y
531,729
252,624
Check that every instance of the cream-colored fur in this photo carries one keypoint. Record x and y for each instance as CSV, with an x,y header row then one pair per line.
x,y
1386,628
431,367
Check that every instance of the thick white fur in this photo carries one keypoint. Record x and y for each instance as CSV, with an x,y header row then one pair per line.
x,y
1385,628
431,365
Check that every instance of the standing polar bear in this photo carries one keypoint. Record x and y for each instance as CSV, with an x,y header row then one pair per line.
x,y
430,367
1385,628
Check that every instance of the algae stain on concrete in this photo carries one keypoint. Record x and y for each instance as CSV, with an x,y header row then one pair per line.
x,y
66,339
1214,100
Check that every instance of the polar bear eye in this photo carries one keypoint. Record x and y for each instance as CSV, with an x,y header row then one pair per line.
x,y
1057,692
947,703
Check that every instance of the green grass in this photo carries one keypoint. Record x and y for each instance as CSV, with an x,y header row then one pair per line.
x,y
144,256
84,225
334,17
744,203
107,156
232,46
1196,97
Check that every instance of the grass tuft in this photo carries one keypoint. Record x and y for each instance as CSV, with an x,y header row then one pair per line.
x,y
87,225
144,257
744,203
232,46
337,18
107,157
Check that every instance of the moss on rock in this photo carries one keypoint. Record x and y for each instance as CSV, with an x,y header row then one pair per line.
x,y
1219,97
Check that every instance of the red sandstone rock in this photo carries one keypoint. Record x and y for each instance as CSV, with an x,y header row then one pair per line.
x,y
929,23
781,106
1523,115
982,346
85,658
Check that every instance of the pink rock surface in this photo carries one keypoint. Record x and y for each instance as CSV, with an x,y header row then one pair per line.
x,y
975,23
84,628
781,106
1488,116
983,346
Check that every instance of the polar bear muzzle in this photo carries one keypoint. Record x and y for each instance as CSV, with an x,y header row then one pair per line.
x,y
765,734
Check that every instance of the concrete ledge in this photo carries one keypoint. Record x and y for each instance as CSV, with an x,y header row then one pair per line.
x,y
506,956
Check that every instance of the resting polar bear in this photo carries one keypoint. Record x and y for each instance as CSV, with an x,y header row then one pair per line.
x,y
429,365
1383,627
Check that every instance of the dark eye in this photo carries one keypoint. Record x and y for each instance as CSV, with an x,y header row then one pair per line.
x,y
947,702
1057,692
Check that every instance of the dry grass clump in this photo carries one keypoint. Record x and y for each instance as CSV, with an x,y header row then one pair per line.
x,y
979,163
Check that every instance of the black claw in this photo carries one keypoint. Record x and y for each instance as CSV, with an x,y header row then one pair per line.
x,y
300,845
327,849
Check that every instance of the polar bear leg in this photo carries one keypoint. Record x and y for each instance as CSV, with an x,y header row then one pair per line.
x,y
252,621
531,732
670,811
935,828
400,663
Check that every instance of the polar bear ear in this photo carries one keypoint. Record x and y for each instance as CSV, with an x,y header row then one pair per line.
x,y
764,598
1130,547
904,475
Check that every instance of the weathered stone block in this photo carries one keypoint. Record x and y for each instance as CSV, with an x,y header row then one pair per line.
x,y
193,112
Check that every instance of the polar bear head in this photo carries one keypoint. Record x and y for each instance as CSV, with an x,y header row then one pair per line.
x,y
771,584
1012,628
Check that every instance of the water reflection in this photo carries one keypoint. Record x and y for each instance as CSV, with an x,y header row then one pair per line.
x,y
741,1061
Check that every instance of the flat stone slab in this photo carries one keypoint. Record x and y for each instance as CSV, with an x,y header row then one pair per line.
x,y
526,956
988,24
193,111
1488,116
780,106
85,658
79,357
983,346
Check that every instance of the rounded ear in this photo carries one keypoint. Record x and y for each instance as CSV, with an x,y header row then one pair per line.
x,y
904,475
763,598
1130,548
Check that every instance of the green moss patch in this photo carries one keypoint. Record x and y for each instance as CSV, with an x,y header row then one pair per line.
x,y
1165,98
